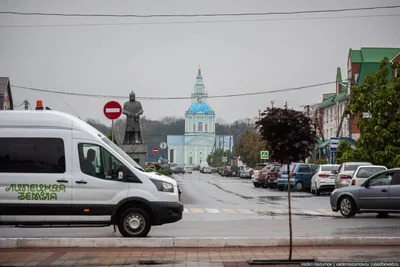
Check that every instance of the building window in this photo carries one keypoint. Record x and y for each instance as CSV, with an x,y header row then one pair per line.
x,y
194,127
331,133
331,114
171,156
200,127
206,128
341,110
32,155
190,160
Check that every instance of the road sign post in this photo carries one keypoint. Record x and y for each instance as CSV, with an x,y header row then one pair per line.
x,y
112,110
264,154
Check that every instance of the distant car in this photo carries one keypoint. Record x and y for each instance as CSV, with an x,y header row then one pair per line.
x,y
178,170
300,176
246,173
227,171
345,172
272,176
206,170
323,179
256,173
188,170
380,193
265,172
364,172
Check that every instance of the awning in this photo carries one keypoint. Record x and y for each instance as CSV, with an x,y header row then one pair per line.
x,y
324,144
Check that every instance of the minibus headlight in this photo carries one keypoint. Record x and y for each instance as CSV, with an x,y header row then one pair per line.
x,y
163,186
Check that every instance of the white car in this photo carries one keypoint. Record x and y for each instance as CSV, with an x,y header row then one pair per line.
x,y
323,179
206,170
364,172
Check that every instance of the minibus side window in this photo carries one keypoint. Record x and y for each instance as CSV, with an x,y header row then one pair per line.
x,y
98,162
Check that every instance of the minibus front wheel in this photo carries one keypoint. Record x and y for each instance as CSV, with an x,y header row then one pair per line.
x,y
134,222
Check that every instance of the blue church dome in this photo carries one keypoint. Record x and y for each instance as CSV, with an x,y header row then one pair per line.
x,y
200,106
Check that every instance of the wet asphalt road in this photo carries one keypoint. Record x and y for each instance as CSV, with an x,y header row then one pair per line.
x,y
218,206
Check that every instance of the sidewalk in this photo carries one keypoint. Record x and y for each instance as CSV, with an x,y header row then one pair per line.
x,y
175,257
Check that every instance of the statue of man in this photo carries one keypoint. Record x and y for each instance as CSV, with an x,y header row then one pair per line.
x,y
132,109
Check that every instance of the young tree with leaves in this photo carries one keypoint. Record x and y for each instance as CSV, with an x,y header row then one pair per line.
x,y
291,138
378,96
248,148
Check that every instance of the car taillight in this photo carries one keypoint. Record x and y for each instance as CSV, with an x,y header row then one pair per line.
x,y
278,175
342,176
323,175
353,182
293,174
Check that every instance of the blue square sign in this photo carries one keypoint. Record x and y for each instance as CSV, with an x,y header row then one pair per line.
x,y
264,154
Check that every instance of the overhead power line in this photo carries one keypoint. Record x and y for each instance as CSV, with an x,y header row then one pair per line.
x,y
192,22
198,15
171,97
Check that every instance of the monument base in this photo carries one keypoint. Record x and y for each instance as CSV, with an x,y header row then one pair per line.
x,y
138,152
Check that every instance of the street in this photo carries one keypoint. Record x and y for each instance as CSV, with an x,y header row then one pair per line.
x,y
218,206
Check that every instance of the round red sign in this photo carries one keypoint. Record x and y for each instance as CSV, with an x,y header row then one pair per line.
x,y
112,110
155,150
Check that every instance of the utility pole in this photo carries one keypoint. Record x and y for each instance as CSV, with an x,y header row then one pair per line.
x,y
272,104
259,114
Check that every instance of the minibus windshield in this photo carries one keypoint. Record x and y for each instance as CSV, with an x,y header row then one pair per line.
x,y
122,154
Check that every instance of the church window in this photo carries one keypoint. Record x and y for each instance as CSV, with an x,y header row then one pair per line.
x,y
194,127
200,127
190,160
205,128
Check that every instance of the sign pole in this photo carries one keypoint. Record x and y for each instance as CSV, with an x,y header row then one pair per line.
x,y
112,131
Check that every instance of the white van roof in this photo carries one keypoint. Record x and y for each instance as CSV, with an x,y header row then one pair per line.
x,y
50,119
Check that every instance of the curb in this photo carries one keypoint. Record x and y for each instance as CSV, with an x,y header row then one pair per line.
x,y
194,242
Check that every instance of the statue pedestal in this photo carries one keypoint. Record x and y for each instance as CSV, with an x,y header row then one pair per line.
x,y
137,152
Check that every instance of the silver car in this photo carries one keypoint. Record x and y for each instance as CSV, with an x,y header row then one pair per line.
x,y
345,172
380,193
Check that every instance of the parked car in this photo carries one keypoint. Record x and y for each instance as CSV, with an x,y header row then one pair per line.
x,y
262,177
272,176
346,170
323,179
206,170
246,173
300,176
227,171
380,193
364,172
256,173
188,170
178,170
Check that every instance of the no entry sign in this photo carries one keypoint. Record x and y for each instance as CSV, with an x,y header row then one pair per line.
x,y
155,151
112,110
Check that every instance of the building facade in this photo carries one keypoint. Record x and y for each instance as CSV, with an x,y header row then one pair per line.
x,y
199,139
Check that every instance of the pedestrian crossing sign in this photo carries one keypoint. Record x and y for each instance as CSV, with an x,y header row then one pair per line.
x,y
264,154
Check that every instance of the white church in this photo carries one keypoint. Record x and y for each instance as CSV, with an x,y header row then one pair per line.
x,y
199,139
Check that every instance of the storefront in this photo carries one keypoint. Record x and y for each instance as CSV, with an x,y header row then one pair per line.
x,y
6,102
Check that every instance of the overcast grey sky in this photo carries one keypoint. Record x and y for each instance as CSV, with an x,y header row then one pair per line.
x,y
162,59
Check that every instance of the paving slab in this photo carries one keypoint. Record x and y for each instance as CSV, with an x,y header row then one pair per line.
x,y
168,257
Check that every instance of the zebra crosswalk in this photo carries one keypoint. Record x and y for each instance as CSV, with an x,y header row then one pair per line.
x,y
300,212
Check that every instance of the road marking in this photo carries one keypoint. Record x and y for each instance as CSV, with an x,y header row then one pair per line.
x,y
213,210
185,210
244,211
197,210
229,211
